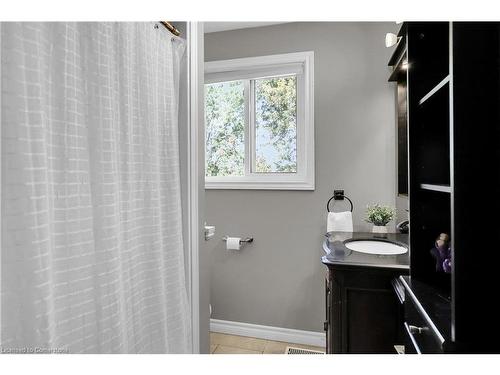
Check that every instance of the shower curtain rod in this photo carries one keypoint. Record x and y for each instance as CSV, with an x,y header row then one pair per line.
x,y
171,28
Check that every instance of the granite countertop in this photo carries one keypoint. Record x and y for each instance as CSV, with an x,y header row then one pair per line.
x,y
339,255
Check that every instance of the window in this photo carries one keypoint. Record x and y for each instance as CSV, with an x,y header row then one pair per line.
x,y
259,123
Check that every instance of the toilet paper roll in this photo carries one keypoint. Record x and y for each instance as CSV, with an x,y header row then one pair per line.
x,y
233,243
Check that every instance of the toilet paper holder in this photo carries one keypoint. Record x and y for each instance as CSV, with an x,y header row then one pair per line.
x,y
243,240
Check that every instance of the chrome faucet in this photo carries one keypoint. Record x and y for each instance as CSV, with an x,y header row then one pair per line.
x,y
403,227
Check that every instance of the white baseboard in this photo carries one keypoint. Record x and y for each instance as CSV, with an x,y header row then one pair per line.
x,y
268,333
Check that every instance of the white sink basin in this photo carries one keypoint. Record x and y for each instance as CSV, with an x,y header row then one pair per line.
x,y
375,247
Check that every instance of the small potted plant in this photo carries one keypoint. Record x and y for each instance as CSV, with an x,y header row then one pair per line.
x,y
379,216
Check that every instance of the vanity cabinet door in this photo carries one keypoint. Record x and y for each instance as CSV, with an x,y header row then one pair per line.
x,y
366,314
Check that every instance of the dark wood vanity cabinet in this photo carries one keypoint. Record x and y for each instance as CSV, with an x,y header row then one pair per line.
x,y
363,315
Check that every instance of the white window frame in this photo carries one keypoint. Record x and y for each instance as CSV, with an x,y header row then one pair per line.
x,y
262,67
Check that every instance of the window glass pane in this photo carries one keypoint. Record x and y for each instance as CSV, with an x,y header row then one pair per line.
x,y
276,125
225,128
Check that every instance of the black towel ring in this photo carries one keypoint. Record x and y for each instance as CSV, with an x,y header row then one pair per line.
x,y
338,197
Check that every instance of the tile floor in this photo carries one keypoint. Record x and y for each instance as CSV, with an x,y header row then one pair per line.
x,y
221,343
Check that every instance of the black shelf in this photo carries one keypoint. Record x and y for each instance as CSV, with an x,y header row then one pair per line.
x,y
399,70
430,159
430,140
398,52
435,89
428,55
402,30
438,188
430,216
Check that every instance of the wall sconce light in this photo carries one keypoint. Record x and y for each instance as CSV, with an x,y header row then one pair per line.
x,y
390,39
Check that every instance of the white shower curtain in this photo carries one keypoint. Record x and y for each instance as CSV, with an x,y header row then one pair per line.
x,y
92,250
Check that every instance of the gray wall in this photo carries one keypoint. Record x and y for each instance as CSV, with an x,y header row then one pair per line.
x,y
278,280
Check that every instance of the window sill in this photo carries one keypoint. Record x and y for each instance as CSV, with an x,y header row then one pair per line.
x,y
259,185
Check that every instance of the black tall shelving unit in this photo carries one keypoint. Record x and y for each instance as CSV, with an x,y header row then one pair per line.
x,y
430,133
453,107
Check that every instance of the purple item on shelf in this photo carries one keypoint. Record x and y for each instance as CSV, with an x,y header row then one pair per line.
x,y
441,253
447,265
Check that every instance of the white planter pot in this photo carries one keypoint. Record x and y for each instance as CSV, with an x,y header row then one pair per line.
x,y
379,229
